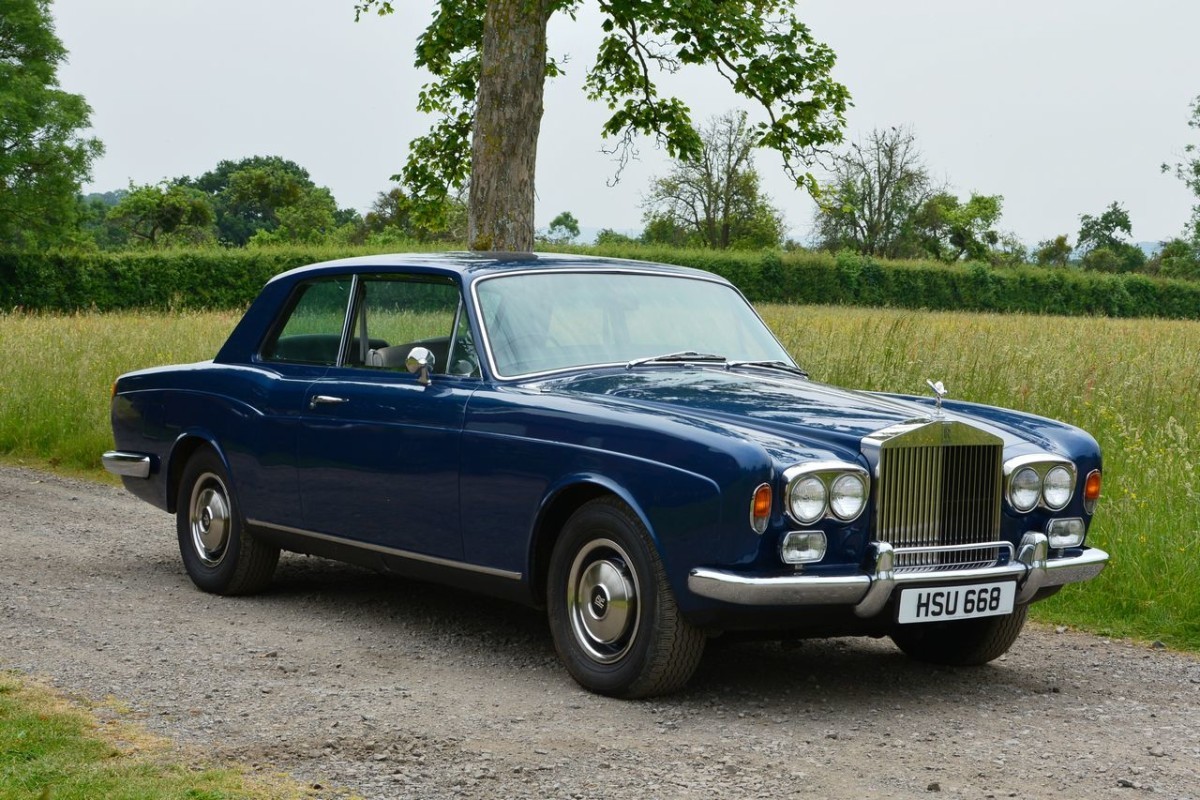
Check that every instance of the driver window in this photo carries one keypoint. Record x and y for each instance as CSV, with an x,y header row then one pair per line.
x,y
392,316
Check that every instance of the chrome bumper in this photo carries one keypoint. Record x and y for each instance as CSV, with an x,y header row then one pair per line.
x,y
128,465
870,592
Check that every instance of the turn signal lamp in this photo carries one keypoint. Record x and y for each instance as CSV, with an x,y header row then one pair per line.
x,y
1091,491
760,508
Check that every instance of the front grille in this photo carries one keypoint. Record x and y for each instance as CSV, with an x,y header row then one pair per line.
x,y
939,497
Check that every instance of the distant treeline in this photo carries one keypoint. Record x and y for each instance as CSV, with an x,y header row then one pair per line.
x,y
218,278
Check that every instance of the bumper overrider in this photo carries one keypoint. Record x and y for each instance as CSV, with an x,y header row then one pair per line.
x,y
868,592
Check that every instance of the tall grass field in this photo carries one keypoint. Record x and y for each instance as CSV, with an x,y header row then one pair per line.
x,y
1132,383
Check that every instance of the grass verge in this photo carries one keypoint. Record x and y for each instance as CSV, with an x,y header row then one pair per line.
x,y
53,750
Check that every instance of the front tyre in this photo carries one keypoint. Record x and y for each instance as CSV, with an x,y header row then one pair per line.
x,y
612,613
961,643
220,556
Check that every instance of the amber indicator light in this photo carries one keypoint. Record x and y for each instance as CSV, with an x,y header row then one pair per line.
x,y
762,502
1091,489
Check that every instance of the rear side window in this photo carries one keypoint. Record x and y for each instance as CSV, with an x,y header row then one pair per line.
x,y
312,332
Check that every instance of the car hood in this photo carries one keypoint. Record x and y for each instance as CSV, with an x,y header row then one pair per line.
x,y
780,407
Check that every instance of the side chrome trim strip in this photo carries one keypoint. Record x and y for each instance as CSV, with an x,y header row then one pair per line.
x,y
391,551
128,465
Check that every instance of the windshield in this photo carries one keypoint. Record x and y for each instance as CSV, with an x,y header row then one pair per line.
x,y
558,320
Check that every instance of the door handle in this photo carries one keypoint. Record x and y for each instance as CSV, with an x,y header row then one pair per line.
x,y
326,400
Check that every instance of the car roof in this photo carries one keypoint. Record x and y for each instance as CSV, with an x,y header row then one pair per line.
x,y
470,265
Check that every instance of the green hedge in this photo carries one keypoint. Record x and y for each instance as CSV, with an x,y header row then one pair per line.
x,y
220,278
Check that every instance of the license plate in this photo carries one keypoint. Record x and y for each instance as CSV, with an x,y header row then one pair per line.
x,y
936,604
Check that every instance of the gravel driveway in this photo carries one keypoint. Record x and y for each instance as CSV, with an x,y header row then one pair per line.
x,y
382,688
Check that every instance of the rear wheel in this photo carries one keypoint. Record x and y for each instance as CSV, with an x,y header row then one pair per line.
x,y
612,613
219,554
966,642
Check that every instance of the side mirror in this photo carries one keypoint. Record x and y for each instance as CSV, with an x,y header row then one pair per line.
x,y
420,361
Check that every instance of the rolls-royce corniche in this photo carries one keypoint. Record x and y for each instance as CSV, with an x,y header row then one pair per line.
x,y
625,444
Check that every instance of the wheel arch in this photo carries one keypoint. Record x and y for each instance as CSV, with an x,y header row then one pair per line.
x,y
557,507
185,446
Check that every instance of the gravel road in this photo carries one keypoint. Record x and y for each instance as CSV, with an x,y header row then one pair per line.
x,y
379,688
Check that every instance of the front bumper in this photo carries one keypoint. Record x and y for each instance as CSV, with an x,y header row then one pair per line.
x,y
869,592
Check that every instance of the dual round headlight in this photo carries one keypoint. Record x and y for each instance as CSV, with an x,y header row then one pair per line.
x,y
818,491
1050,484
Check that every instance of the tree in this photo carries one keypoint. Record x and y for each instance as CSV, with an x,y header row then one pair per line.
x,y
394,215
489,66
875,189
1187,169
309,219
563,229
151,211
43,156
1178,258
1054,252
247,195
1103,245
950,230
716,196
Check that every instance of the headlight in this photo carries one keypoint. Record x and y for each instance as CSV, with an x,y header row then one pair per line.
x,y
1039,478
806,499
1057,487
820,489
848,496
1025,489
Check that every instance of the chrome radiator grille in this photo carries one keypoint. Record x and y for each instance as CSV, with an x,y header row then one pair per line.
x,y
939,497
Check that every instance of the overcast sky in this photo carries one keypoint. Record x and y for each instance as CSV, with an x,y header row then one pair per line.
x,y
1061,106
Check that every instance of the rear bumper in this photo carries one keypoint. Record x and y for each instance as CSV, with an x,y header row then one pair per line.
x,y
869,591
126,464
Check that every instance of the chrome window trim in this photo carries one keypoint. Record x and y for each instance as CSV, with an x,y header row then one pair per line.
x,y
391,551
487,342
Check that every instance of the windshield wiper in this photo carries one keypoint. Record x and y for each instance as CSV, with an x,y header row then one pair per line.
x,y
683,356
779,365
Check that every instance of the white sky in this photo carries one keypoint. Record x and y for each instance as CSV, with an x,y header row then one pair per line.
x,y
1061,106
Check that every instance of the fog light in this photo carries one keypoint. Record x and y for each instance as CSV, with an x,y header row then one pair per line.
x,y
802,547
1064,533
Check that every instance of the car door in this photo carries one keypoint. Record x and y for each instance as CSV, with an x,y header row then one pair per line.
x,y
302,345
378,455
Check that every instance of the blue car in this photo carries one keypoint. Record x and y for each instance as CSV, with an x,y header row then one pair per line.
x,y
624,444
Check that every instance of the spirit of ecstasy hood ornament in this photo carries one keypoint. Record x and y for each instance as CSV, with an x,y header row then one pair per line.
x,y
939,391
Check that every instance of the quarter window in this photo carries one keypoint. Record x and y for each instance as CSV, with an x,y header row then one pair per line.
x,y
312,333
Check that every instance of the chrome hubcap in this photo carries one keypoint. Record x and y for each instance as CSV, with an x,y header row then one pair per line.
x,y
209,519
603,596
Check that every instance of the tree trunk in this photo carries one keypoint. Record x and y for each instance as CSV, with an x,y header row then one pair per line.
x,y
507,120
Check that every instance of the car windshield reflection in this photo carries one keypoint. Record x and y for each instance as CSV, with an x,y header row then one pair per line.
x,y
545,322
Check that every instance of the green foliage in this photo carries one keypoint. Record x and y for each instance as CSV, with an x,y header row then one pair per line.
x,y
1054,252
249,196
607,236
394,216
714,199
563,229
950,230
759,46
1177,259
181,214
1105,230
43,156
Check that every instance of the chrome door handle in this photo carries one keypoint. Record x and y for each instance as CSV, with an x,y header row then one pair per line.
x,y
326,400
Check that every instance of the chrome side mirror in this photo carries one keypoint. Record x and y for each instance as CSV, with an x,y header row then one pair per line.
x,y
420,361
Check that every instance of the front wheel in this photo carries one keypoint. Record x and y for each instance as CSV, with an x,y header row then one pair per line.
x,y
961,643
612,613
220,556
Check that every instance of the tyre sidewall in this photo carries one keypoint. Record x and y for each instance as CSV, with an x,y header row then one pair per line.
x,y
603,521
215,578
